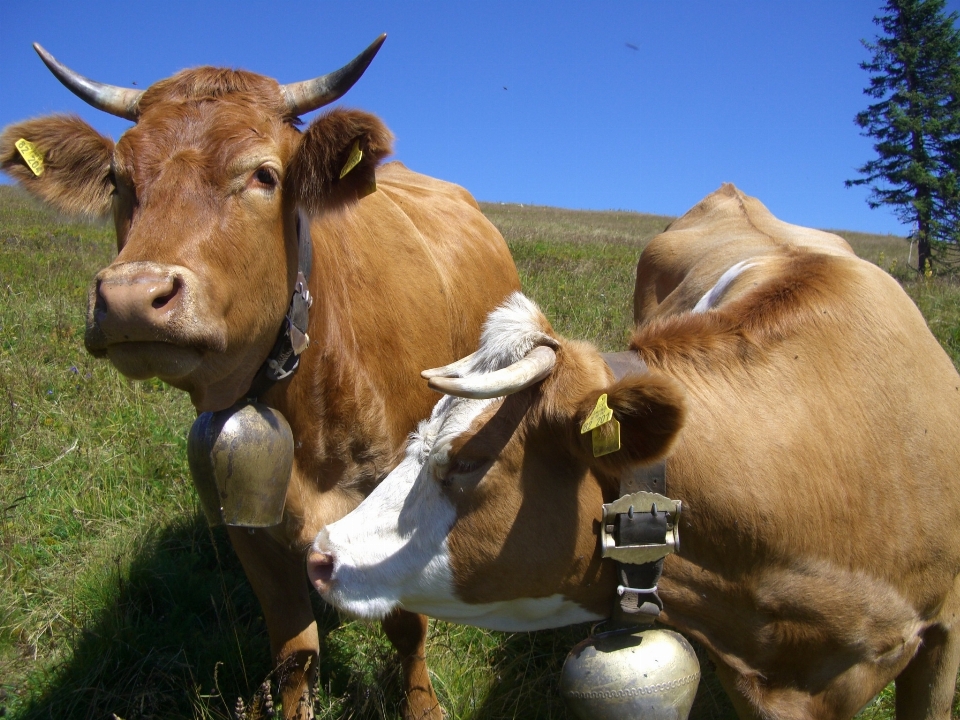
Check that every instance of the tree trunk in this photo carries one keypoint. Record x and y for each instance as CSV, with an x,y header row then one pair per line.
x,y
924,258
923,248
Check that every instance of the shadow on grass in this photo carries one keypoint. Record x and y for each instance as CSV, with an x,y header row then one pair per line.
x,y
179,635
179,619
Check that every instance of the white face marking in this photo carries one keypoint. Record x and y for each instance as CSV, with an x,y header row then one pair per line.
x,y
712,297
392,550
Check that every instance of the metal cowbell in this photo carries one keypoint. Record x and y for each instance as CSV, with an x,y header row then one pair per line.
x,y
650,675
241,459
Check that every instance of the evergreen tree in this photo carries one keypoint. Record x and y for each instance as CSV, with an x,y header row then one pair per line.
x,y
915,76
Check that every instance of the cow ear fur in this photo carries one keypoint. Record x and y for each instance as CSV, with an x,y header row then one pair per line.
x,y
76,163
314,178
650,409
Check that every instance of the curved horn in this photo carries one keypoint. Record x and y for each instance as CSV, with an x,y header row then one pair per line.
x,y
535,366
454,369
302,97
118,101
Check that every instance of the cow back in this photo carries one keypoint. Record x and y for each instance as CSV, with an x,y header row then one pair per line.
x,y
684,262
818,457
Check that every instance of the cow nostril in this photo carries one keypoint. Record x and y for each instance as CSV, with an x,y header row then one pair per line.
x,y
162,300
320,568
101,301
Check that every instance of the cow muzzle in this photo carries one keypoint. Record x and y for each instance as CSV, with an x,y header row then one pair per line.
x,y
357,591
151,320
241,461
320,566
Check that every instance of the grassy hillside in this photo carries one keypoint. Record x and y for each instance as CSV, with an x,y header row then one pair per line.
x,y
117,600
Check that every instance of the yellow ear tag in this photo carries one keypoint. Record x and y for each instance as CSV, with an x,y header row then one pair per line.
x,y
356,155
606,438
598,416
606,429
32,156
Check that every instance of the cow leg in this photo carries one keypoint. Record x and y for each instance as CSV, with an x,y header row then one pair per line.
x,y
926,686
733,683
408,633
278,580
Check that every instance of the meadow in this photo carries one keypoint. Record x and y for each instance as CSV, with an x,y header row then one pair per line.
x,y
117,601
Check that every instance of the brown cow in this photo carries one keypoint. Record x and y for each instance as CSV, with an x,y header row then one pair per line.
x,y
810,423
204,190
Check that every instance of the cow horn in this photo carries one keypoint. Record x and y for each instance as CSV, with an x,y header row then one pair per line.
x,y
454,369
535,366
118,101
302,97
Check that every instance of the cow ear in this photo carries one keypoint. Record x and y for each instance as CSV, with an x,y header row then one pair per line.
x,y
650,409
72,159
336,161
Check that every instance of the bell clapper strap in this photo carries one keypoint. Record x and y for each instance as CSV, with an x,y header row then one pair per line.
x,y
638,531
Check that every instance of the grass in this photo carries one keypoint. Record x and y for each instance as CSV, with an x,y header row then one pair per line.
x,y
579,266
116,599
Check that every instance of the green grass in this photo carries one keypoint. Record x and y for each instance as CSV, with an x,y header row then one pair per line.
x,y
579,266
939,301
117,599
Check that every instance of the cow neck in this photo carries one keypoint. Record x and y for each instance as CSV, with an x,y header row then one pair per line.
x,y
284,357
637,597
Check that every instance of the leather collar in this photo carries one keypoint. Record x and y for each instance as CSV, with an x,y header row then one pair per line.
x,y
292,340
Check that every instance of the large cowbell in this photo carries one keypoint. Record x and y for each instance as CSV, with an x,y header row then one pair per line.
x,y
649,675
241,459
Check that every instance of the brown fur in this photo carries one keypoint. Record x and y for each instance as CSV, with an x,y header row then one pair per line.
x,y
76,158
211,84
677,267
817,465
501,530
650,409
745,327
314,174
206,187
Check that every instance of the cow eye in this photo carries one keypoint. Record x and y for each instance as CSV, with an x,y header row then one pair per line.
x,y
460,468
265,177
465,467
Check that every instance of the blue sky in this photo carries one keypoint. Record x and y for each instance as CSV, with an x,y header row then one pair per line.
x,y
640,105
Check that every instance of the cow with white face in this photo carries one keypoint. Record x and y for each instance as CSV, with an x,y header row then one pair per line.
x,y
403,548
809,423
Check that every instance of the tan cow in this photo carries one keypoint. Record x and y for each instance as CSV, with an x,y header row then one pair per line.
x,y
204,190
810,423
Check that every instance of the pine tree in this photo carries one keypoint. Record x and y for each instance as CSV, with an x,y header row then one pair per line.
x,y
915,76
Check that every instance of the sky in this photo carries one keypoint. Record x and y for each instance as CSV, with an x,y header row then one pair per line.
x,y
646,105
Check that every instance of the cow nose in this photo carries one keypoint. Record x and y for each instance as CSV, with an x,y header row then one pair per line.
x,y
320,569
140,295
136,306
